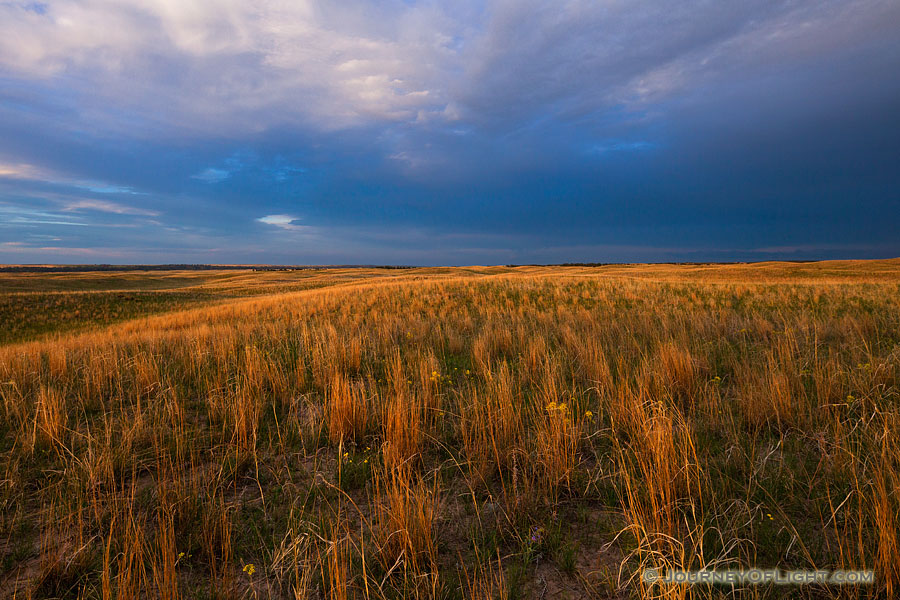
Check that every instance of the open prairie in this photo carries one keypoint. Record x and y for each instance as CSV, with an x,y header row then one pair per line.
x,y
483,432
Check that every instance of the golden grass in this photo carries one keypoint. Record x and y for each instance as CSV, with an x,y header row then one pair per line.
x,y
486,433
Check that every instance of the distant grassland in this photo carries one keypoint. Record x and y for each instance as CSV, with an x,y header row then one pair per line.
x,y
36,304
483,432
26,316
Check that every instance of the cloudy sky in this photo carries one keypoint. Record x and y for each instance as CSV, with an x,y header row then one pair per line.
x,y
464,132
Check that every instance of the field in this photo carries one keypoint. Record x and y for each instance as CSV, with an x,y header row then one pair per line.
x,y
484,432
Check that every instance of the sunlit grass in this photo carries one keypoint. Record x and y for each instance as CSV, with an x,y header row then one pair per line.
x,y
490,433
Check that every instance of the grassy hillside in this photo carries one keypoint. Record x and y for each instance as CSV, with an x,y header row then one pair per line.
x,y
527,432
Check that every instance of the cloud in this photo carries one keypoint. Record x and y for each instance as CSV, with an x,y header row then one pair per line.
x,y
282,173
601,124
16,217
30,172
213,65
212,175
108,207
239,68
287,222
21,171
103,188
620,146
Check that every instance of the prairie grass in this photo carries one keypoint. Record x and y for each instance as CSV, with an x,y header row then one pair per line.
x,y
440,433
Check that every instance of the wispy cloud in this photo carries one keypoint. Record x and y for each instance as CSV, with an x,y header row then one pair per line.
x,y
22,171
104,188
30,172
16,216
212,175
282,173
108,207
621,146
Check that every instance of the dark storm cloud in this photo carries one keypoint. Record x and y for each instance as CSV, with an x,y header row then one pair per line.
x,y
472,132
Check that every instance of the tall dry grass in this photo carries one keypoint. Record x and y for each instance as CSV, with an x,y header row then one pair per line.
x,y
416,437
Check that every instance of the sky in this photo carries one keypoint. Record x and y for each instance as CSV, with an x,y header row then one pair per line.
x,y
464,132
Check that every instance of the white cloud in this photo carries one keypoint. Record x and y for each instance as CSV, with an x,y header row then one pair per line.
x,y
208,64
287,222
241,67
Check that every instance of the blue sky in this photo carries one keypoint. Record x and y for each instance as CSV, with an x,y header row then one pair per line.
x,y
466,132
